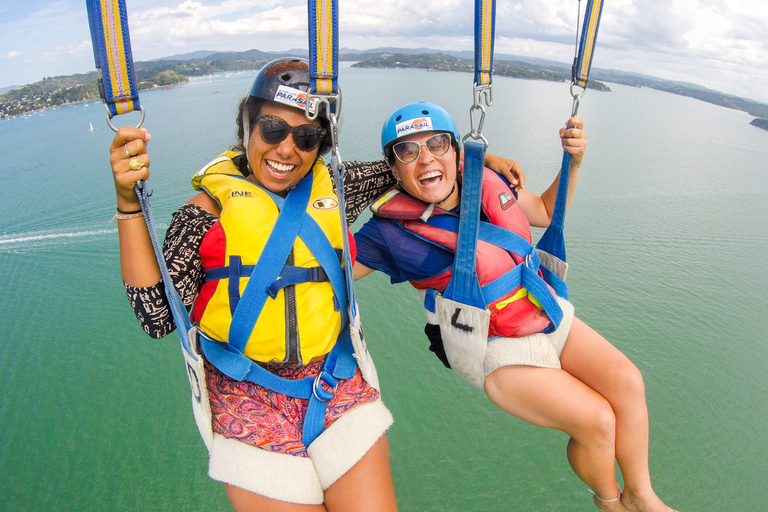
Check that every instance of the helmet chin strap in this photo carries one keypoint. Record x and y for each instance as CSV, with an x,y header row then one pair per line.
x,y
246,136
453,189
431,208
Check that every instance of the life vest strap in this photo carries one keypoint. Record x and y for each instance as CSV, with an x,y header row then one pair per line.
x,y
291,275
270,263
329,257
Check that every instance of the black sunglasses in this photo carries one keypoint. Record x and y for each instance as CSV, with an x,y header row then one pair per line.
x,y
274,130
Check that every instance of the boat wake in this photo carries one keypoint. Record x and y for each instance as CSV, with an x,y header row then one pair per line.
x,y
751,150
23,242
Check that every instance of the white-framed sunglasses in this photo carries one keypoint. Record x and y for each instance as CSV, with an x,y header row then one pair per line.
x,y
408,151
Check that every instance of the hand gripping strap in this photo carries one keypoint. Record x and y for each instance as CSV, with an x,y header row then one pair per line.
x,y
108,20
179,312
270,263
485,18
464,286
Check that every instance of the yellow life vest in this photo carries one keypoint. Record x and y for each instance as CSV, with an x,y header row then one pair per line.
x,y
302,321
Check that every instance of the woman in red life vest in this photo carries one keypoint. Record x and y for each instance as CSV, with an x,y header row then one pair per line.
x,y
556,374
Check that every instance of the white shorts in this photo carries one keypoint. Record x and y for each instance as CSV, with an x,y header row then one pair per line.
x,y
537,349
301,480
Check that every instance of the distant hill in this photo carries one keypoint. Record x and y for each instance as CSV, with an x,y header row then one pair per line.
x,y
168,70
444,62
552,70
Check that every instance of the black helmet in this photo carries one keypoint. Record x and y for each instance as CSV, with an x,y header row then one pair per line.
x,y
285,81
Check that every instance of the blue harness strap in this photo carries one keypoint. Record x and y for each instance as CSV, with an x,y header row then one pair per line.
x,y
552,241
464,286
339,364
525,274
178,311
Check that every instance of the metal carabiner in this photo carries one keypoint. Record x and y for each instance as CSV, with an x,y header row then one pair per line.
x,y
114,128
476,130
484,92
576,98
320,100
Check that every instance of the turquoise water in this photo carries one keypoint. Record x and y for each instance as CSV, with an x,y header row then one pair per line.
x,y
666,239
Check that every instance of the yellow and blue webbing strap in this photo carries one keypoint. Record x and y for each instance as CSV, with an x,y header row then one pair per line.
x,y
583,61
323,54
108,21
485,18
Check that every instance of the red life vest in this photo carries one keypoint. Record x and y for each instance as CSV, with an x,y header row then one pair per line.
x,y
516,313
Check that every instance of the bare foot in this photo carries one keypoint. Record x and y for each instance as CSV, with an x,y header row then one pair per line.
x,y
645,503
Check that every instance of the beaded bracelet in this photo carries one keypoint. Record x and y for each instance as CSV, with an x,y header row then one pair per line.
x,y
127,216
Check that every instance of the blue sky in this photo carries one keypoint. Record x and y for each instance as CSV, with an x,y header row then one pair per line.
x,y
719,44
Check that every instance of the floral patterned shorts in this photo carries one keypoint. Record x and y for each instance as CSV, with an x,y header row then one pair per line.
x,y
272,421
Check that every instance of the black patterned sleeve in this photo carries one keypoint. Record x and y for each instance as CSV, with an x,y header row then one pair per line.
x,y
363,183
181,249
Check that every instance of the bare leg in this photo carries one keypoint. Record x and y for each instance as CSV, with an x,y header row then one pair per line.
x,y
552,398
367,486
246,501
591,359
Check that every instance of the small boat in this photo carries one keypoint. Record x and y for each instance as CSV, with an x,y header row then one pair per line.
x,y
90,129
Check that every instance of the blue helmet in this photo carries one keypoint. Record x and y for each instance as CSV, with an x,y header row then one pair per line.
x,y
416,117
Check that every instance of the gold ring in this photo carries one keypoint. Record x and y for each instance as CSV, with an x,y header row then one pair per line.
x,y
135,164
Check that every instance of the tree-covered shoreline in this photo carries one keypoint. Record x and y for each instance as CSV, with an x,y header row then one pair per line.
x,y
442,62
63,90
58,91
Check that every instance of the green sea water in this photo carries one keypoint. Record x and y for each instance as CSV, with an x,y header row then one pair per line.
x,y
667,242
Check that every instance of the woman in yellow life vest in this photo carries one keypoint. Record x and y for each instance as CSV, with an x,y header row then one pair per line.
x,y
266,215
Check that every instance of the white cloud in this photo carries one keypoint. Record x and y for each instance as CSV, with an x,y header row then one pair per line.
x,y
720,44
